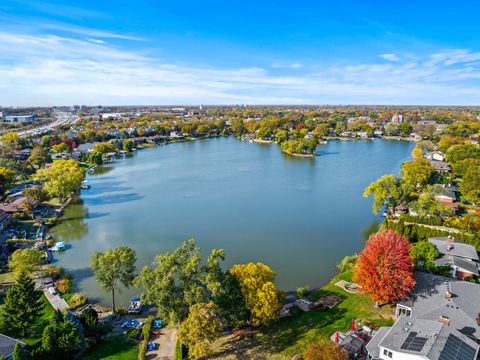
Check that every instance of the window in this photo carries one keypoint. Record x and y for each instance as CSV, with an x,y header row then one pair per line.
x,y
404,311
387,353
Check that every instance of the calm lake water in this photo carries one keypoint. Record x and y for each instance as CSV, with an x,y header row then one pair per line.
x,y
298,215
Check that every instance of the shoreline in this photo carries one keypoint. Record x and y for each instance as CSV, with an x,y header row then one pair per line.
x,y
334,271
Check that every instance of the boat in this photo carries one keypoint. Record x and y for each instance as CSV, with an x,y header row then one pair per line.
x,y
385,214
59,246
136,305
85,187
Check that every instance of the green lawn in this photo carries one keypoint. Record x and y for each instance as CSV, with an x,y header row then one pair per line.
x,y
114,348
291,335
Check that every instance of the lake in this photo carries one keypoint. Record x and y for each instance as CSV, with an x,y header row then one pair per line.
x,y
300,216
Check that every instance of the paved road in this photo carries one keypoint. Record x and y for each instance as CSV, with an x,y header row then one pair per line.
x,y
166,342
62,119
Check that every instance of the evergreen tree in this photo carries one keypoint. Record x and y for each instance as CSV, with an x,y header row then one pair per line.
x,y
61,338
23,304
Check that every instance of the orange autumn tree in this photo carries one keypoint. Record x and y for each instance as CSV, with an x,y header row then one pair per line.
x,y
384,268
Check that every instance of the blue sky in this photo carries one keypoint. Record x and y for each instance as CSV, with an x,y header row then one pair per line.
x,y
245,52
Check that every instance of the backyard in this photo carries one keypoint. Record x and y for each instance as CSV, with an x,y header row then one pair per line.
x,y
291,335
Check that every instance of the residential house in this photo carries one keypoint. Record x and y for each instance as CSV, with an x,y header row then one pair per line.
x,y
435,297
438,322
7,345
435,155
421,339
440,166
461,257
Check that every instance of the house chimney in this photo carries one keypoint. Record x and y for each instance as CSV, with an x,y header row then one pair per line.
x,y
448,295
444,320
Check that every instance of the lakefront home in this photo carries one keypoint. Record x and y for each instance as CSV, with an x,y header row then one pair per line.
x,y
461,257
438,322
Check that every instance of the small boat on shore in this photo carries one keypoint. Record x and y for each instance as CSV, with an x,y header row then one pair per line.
x,y
136,305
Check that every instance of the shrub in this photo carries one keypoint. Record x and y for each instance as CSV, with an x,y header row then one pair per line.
x,y
147,328
65,284
347,263
77,300
55,272
302,291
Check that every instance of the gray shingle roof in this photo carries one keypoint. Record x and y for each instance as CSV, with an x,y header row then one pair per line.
x,y
372,346
7,344
459,249
422,338
463,264
430,302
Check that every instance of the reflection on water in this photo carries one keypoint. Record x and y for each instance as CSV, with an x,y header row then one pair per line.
x,y
72,225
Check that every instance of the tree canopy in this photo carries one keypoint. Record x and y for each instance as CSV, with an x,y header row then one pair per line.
x,y
200,329
25,260
417,173
384,268
22,306
62,179
113,268
385,189
263,299
179,280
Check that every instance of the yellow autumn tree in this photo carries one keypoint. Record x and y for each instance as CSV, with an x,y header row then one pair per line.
x,y
262,297
417,153
201,328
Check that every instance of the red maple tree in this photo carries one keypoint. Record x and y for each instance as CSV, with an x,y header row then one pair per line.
x,y
384,268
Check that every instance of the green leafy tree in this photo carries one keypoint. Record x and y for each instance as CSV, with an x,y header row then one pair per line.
x,y
200,329
39,156
25,261
62,179
104,148
461,166
23,305
179,280
417,173
128,146
230,301
61,338
35,194
7,176
348,263
89,320
423,251
62,147
386,189
470,185
95,157
460,152
114,267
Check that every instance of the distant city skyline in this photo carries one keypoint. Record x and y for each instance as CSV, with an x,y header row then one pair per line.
x,y
189,53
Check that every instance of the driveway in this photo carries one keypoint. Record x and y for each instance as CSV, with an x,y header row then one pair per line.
x,y
166,342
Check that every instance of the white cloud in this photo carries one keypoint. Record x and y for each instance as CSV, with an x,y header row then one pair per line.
x,y
97,41
390,57
294,65
52,69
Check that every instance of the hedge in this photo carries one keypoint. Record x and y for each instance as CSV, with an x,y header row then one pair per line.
x,y
20,241
178,351
146,330
417,232
422,220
